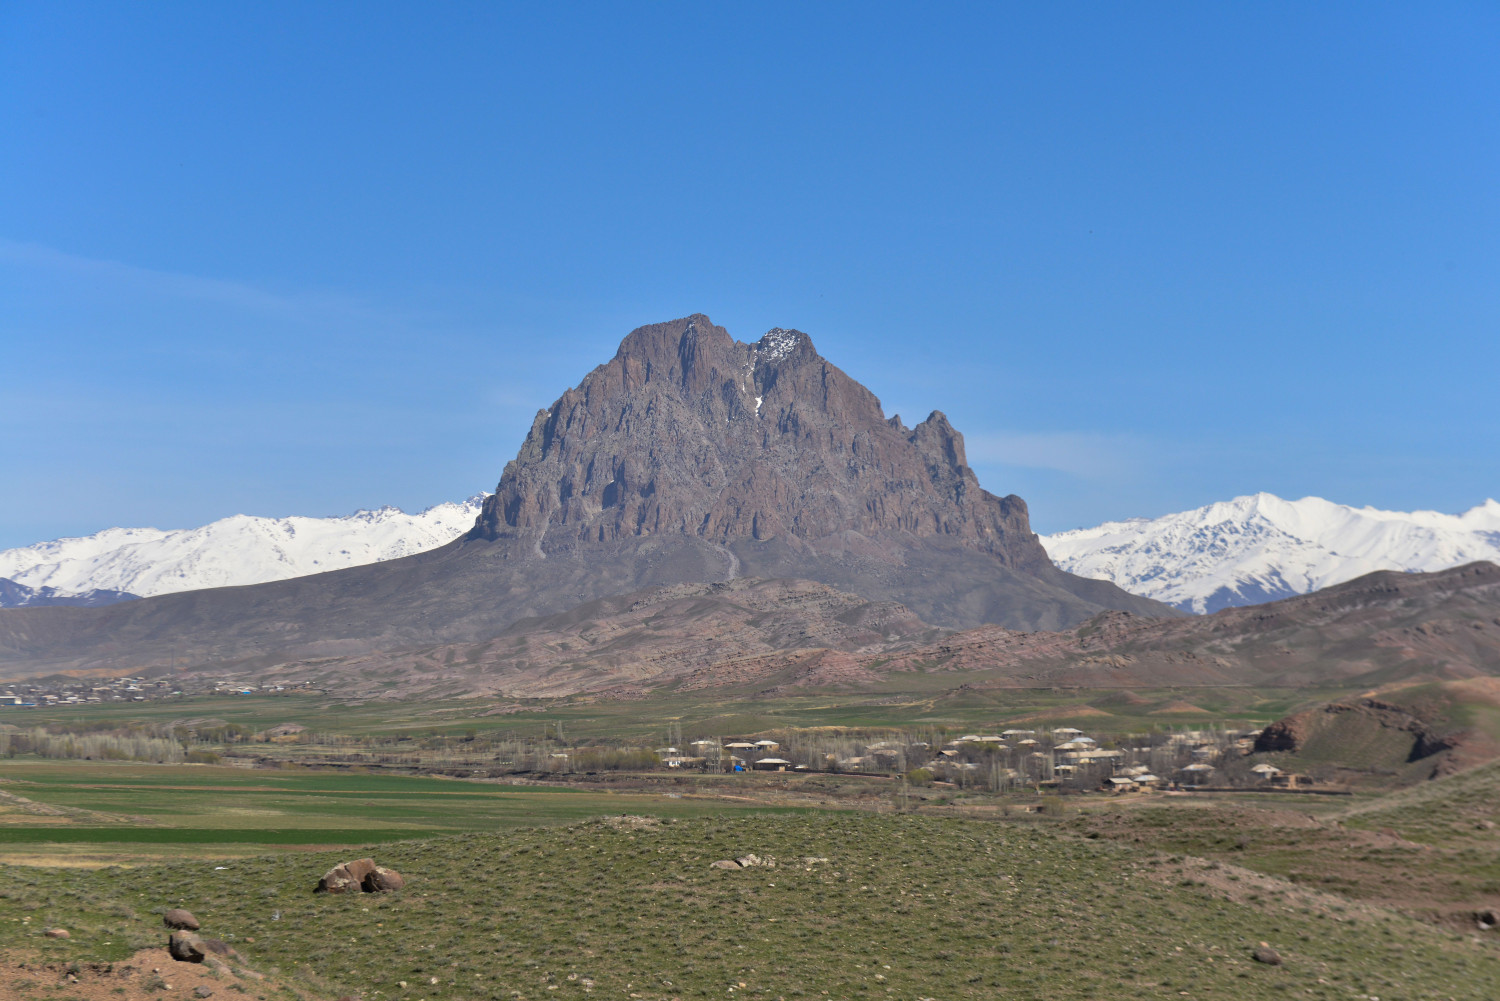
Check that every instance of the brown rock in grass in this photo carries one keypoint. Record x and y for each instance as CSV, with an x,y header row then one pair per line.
x,y
359,875
186,947
382,880
337,880
180,919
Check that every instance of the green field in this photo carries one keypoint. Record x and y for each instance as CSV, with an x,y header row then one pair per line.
x,y
109,811
904,907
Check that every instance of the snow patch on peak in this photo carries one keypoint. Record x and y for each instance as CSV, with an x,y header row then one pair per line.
x,y
778,343
1261,547
240,549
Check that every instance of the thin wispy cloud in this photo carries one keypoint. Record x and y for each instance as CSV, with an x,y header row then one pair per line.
x,y
1085,454
241,296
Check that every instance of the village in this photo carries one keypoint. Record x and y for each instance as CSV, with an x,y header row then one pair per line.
x,y
1063,758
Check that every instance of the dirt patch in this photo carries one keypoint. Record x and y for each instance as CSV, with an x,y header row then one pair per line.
x,y
149,975
1178,706
1061,712
1246,886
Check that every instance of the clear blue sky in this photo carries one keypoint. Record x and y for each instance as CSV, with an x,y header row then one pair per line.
x,y
299,259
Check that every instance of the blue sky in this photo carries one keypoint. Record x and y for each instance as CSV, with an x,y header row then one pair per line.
x,y
299,259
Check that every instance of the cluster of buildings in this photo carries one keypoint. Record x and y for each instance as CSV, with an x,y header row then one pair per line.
x,y
1060,757
84,691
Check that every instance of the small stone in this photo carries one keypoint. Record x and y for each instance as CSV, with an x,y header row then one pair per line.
x,y
1266,954
202,992
57,933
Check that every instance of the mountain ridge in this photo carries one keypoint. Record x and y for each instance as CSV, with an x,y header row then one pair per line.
x,y
233,551
661,467
1259,547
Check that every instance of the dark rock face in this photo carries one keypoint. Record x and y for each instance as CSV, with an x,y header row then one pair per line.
x,y
687,431
186,947
179,918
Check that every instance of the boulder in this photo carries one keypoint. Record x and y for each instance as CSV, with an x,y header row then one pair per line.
x,y
360,868
186,947
382,880
180,919
1266,954
57,933
346,877
748,861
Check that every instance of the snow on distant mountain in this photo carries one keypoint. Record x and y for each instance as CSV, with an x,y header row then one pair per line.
x,y
13,595
1260,548
237,550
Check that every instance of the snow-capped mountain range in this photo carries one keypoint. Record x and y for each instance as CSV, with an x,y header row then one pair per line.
x,y
237,550
1239,552
1260,548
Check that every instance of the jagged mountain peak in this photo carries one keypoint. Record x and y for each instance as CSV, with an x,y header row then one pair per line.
x,y
687,431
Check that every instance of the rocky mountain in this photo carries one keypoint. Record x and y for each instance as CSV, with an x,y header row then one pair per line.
x,y
14,595
1259,548
232,551
689,457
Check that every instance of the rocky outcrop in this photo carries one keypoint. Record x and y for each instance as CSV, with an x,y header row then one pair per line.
x,y
359,876
1285,734
1292,732
687,431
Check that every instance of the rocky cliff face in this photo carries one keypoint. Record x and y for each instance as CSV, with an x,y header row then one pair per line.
x,y
687,431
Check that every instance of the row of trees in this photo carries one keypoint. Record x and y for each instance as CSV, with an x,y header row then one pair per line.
x,y
114,746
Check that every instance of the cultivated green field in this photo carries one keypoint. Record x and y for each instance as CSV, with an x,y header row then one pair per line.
x,y
904,907
86,812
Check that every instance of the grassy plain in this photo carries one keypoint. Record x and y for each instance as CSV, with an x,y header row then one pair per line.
x,y
84,812
520,891
906,907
